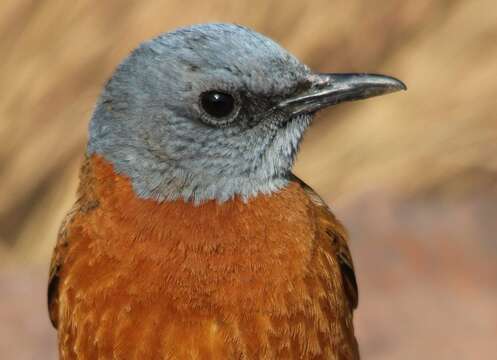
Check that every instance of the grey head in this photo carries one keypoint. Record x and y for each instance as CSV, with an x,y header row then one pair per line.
x,y
214,111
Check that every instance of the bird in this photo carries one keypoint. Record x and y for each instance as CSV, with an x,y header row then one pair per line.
x,y
190,237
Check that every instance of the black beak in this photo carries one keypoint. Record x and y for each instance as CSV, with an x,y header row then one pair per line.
x,y
331,89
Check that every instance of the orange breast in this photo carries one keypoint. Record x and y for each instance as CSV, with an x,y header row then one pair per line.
x,y
149,280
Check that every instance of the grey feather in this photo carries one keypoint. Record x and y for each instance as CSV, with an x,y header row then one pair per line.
x,y
150,125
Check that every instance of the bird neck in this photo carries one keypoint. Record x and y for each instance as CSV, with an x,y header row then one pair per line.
x,y
101,185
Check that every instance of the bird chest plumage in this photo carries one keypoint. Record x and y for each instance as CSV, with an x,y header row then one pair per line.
x,y
145,280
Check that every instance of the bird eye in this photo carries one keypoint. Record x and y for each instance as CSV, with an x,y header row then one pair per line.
x,y
217,104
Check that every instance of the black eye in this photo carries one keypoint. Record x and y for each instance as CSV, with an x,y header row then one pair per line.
x,y
217,104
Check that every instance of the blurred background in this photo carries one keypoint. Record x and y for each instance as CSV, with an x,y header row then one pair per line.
x,y
413,175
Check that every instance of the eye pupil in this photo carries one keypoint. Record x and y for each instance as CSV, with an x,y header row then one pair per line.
x,y
217,104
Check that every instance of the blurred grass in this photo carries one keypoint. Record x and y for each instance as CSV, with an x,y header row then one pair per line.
x,y
383,164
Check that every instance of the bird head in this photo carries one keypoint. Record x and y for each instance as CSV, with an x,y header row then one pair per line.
x,y
214,111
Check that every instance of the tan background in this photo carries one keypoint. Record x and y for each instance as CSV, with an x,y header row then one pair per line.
x,y
413,175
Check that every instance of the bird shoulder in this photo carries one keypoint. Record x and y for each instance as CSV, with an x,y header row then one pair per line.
x,y
332,229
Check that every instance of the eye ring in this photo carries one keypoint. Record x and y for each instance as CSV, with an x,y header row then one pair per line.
x,y
219,107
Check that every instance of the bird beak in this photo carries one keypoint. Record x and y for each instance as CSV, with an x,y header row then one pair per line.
x,y
331,89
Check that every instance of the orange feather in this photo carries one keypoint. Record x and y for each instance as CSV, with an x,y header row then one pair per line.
x,y
268,278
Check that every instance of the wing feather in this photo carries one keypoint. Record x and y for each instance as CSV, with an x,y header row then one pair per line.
x,y
338,236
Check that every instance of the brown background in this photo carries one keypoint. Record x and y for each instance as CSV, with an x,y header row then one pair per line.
x,y
413,175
